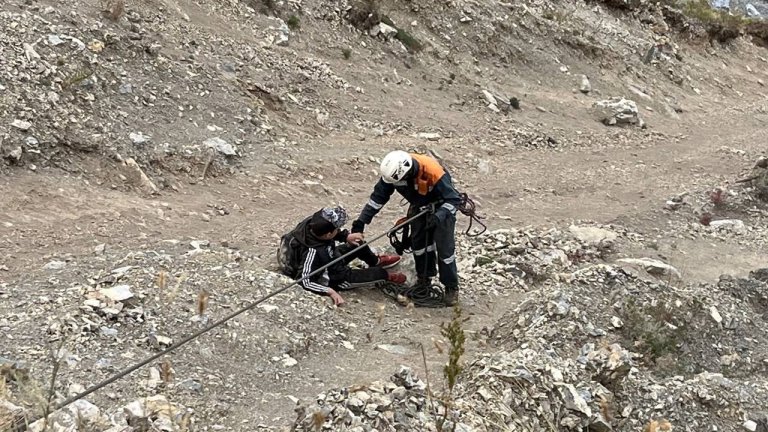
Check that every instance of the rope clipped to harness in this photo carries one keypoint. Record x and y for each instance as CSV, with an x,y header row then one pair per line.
x,y
421,295
404,245
468,208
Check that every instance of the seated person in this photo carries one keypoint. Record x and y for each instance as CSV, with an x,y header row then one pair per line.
x,y
312,244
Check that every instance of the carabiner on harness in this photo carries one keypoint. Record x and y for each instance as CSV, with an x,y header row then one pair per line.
x,y
404,245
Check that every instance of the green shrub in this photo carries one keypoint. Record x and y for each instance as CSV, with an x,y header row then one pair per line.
x,y
293,22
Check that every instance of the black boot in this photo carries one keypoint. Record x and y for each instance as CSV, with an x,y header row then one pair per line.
x,y
451,296
423,283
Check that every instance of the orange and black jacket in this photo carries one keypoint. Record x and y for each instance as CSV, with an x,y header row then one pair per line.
x,y
426,183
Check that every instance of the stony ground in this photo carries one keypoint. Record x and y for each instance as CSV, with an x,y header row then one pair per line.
x,y
153,159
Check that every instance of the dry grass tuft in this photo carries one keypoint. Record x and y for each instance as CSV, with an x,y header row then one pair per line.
x,y
202,302
658,426
114,9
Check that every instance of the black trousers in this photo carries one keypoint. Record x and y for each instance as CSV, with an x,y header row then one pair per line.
x,y
342,277
435,249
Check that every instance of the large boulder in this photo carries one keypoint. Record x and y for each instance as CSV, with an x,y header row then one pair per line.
x,y
618,111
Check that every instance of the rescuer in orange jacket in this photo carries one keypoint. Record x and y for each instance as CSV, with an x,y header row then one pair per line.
x,y
423,182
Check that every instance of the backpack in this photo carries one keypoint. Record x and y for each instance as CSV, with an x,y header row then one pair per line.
x,y
289,256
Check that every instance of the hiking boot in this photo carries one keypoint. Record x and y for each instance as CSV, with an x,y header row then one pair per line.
x,y
423,283
388,261
397,278
451,297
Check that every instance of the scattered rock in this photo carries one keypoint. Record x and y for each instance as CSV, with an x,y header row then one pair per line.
x,y
384,30
394,349
118,293
11,416
55,40
430,136
13,370
618,112
138,138
734,225
652,266
21,125
288,361
585,86
138,177
676,202
573,400
80,414
221,146
55,265
592,235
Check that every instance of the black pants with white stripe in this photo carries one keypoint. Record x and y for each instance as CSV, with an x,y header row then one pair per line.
x,y
342,277
435,246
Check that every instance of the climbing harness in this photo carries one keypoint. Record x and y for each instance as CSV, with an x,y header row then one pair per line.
x,y
401,245
199,333
426,294
422,293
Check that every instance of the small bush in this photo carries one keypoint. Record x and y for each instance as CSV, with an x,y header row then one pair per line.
x,y
293,22
759,30
364,14
656,330
719,25
408,40
265,7
114,9
403,36
347,53
455,335
451,371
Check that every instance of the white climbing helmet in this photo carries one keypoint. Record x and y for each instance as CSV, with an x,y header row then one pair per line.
x,y
395,166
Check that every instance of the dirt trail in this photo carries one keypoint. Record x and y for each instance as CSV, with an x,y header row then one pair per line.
x,y
526,187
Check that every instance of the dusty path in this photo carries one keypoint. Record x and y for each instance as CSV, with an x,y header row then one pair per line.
x,y
525,187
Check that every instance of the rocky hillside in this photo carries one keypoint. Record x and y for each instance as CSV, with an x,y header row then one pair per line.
x,y
154,150
138,93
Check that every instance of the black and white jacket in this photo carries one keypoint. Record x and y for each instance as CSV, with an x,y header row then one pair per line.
x,y
313,253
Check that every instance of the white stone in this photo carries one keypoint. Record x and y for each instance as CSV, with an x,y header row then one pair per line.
x,y
220,146
55,265
585,86
715,314
289,361
735,225
384,30
429,136
118,293
394,349
21,124
589,234
617,322
138,138
652,266
573,399
267,307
